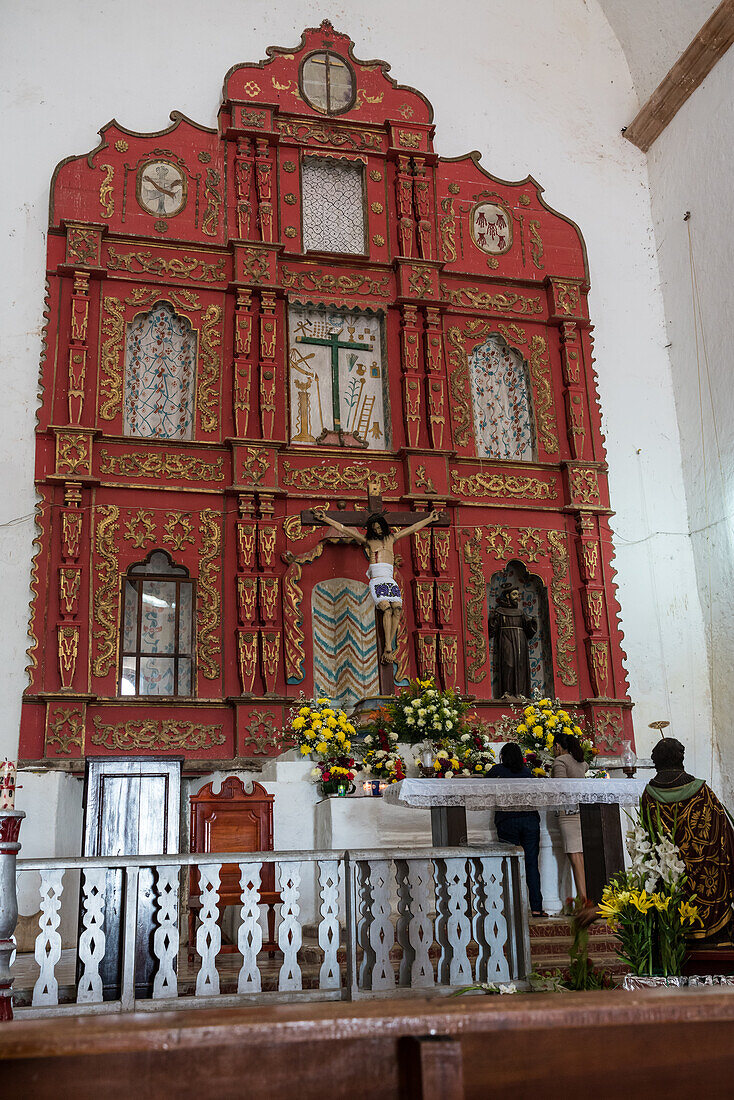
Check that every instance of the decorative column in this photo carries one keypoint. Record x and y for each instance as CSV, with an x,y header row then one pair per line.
x,y
245,313
421,197
404,195
435,377
269,593
593,603
70,581
243,177
264,180
9,847
447,640
268,342
78,346
412,381
571,354
246,584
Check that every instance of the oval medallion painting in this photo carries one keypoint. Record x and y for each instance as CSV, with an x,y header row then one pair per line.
x,y
491,227
161,188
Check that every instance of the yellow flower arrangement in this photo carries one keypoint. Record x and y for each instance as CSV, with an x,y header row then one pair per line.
x,y
537,727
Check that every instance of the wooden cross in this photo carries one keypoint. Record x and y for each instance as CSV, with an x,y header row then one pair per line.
x,y
375,507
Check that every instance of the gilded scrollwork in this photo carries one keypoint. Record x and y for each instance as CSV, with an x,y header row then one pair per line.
x,y
208,595
314,133
459,385
140,529
106,191
209,369
561,596
160,464
65,729
106,593
476,608
294,531
256,464
499,485
501,302
151,734
176,267
38,542
530,544
264,734
292,622
113,328
177,530
499,541
536,243
355,476
210,221
326,283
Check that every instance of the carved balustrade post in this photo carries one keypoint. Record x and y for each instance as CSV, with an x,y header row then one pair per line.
x,y
412,382
404,196
264,181
244,319
9,847
435,377
243,178
422,201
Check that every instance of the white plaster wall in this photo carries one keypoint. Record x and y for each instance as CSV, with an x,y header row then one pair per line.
x,y
653,35
690,168
538,86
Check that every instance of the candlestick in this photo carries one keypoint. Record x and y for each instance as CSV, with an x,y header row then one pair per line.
x,y
7,785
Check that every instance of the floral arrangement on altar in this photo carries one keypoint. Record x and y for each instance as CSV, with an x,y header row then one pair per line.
x,y
534,728
323,733
381,758
647,905
423,713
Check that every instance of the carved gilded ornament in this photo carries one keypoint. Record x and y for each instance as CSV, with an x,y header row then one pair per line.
x,y
423,589
151,734
294,530
70,578
71,530
420,281
106,190
247,598
441,544
269,590
208,597
255,465
327,283
266,536
476,607
421,547
39,542
608,726
567,296
178,530
292,622
561,597
501,485
444,601
73,455
209,369
502,302
140,529
65,730
263,734
113,328
530,544
590,559
422,481
68,648
593,599
499,541
378,240
306,133
175,267
289,166
254,119
458,385
536,243
270,640
121,146
584,485
408,140
210,221
247,659
600,667
245,545
105,601
255,264
357,475
82,246
159,464
448,652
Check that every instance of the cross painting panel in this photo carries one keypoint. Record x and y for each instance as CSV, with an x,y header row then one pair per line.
x,y
534,603
503,418
337,384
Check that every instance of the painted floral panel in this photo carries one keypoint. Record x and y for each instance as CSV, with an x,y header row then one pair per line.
x,y
503,417
160,375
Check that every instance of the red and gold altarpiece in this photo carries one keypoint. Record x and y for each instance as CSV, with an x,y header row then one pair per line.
x,y
249,321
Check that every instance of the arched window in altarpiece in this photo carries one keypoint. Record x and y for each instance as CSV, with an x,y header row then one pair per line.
x,y
160,375
501,398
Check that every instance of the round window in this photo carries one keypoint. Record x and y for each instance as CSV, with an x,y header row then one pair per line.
x,y
327,83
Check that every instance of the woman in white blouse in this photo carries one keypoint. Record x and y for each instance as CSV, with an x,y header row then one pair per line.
x,y
569,763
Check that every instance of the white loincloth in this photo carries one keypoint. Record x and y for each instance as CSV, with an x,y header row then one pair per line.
x,y
382,584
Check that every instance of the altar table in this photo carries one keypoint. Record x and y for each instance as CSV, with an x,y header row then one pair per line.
x,y
597,799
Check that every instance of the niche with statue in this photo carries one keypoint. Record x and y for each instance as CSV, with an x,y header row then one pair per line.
x,y
521,660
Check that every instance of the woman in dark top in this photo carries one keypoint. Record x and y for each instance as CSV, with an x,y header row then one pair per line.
x,y
520,827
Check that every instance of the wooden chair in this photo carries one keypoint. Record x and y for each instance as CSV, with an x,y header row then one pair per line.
x,y
233,821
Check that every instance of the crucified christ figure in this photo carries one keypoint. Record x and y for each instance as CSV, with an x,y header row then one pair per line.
x,y
379,541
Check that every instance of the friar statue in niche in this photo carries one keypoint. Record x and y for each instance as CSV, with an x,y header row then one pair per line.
x,y
511,628
379,540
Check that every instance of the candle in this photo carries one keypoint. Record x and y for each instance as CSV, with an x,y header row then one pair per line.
x,y
7,785
342,790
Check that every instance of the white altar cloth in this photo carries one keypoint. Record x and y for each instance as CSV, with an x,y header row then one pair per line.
x,y
513,794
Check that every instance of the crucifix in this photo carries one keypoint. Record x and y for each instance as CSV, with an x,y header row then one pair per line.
x,y
337,435
378,540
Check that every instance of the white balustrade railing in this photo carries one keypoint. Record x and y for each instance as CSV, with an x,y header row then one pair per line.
x,y
421,919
